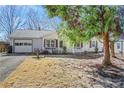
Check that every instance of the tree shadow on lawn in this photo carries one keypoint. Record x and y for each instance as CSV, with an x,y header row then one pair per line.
x,y
120,59
109,77
77,56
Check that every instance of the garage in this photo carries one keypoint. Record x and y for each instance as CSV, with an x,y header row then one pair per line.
x,y
23,46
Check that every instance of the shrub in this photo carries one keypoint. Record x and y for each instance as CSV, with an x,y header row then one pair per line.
x,y
64,49
45,52
96,49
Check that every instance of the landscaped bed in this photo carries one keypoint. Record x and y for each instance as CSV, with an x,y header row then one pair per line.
x,y
65,72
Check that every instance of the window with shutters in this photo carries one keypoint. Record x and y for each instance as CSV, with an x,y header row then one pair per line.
x,y
50,43
92,44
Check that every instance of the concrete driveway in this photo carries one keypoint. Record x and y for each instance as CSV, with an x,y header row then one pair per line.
x,y
8,63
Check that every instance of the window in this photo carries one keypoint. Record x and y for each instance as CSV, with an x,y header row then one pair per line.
x,y
61,44
79,45
16,44
47,43
25,44
21,44
92,44
118,45
50,43
29,44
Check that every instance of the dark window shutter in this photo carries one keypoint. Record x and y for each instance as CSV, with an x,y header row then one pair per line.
x,y
90,44
56,43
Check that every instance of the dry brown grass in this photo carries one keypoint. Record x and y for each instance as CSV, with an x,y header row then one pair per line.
x,y
45,72
65,72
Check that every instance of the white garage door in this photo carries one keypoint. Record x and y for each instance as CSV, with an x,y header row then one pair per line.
x,y
23,46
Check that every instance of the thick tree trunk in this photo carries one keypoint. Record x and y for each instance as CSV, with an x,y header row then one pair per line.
x,y
106,60
112,48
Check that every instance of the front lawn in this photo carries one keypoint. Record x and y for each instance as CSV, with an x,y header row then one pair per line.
x,y
61,71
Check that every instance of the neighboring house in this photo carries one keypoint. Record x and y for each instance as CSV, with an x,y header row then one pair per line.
x,y
4,46
27,41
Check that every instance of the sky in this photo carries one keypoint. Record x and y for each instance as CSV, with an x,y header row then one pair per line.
x,y
41,13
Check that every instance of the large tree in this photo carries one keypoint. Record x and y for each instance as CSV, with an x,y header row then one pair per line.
x,y
10,19
86,22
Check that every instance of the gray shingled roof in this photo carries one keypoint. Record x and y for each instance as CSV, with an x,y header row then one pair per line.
x,y
30,34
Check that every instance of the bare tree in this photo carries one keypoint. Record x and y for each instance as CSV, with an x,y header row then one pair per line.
x,y
38,21
33,20
10,19
49,23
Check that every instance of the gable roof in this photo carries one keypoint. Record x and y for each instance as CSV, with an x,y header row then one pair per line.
x,y
51,35
30,34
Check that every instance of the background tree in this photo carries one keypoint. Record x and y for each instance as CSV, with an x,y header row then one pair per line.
x,y
86,22
33,20
115,35
119,27
9,19
37,21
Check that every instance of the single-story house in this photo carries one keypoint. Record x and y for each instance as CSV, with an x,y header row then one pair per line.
x,y
27,41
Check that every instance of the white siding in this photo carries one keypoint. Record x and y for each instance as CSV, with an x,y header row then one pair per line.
x,y
86,47
37,44
100,46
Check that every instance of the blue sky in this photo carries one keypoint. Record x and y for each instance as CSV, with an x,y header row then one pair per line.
x,y
41,13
